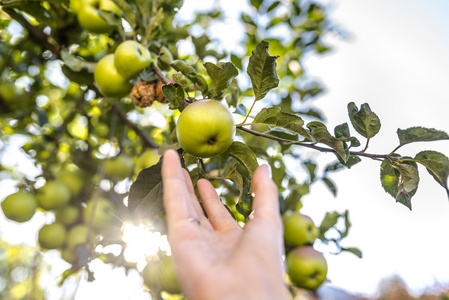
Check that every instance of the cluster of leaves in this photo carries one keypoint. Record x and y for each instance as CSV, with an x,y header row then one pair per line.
x,y
68,124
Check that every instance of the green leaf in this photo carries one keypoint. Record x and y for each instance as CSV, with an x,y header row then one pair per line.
x,y
256,3
221,77
437,165
262,70
233,98
77,64
342,132
82,77
181,80
273,116
347,225
200,44
182,67
277,169
400,180
273,5
356,251
352,160
329,221
174,94
145,195
237,61
297,191
420,134
320,133
233,174
244,155
112,19
364,121
331,185
199,82
311,168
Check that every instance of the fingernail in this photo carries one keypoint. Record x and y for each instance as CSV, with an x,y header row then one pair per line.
x,y
265,169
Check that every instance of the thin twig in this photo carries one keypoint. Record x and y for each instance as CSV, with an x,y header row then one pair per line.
x,y
159,74
315,147
142,134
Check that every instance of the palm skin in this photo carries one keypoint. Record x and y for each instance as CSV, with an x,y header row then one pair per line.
x,y
217,259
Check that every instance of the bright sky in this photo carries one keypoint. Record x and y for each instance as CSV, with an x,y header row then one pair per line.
x,y
396,60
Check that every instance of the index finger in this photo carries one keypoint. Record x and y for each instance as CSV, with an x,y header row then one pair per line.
x,y
176,194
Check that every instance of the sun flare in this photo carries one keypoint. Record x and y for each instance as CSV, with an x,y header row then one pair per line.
x,y
142,242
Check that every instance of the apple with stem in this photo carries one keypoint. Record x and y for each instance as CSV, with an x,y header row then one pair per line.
x,y
89,17
131,58
110,82
306,267
299,229
205,128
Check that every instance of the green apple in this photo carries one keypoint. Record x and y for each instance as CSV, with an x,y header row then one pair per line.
x,y
162,275
52,236
306,267
20,206
299,229
53,194
73,180
205,128
110,82
131,58
101,129
119,167
145,160
88,14
67,215
79,234
75,5
68,254
103,213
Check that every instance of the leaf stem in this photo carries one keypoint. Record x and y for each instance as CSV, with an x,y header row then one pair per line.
x,y
247,115
207,176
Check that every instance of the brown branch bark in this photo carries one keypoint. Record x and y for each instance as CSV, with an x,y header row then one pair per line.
x,y
147,140
34,32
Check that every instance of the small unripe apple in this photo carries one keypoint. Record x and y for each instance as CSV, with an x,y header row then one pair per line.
x,y
53,194
299,229
119,167
68,254
110,82
79,234
306,267
131,58
72,180
88,17
20,206
205,128
67,215
103,213
52,236
162,275
147,159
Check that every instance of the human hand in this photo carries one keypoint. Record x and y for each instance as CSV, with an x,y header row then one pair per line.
x,y
216,258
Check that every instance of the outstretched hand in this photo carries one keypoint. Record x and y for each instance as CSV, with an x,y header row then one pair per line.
x,y
215,258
